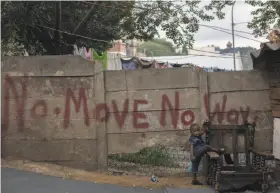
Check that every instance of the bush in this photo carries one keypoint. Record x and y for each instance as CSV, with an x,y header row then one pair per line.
x,y
155,156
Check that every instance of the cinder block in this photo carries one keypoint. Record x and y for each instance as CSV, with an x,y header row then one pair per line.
x,y
49,87
51,129
133,142
255,100
263,119
264,140
188,98
153,118
115,80
237,81
162,78
52,150
48,65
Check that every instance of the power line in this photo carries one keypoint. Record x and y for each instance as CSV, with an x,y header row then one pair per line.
x,y
211,56
232,31
235,35
135,46
240,31
109,6
74,34
204,51
204,25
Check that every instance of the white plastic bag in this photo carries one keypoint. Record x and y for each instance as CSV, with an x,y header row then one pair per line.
x,y
189,167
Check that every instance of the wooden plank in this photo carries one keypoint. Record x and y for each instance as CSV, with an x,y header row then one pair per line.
x,y
275,107
222,127
213,155
275,101
234,147
275,93
246,143
276,114
266,154
242,174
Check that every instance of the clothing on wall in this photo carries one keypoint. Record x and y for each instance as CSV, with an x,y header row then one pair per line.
x,y
114,61
144,63
160,65
176,65
129,64
102,57
78,51
91,54
87,54
214,69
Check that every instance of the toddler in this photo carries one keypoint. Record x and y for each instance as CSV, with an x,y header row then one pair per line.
x,y
198,149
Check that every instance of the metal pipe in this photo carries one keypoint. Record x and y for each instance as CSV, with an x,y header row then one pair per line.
x,y
233,42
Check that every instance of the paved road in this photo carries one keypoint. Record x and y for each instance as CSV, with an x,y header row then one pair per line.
x,y
16,181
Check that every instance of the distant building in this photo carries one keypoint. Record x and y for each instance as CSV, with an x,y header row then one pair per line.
x,y
207,50
118,48
221,61
127,49
207,57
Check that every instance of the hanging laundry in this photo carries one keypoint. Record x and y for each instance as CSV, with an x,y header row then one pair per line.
x,y
129,64
87,54
160,65
114,61
91,54
176,65
145,63
102,58
78,51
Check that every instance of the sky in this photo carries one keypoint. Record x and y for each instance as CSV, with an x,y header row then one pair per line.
x,y
207,36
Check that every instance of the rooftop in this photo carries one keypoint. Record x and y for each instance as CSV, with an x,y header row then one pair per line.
x,y
222,61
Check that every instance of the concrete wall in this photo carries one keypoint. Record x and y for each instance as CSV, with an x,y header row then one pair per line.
x,y
47,107
245,95
68,110
233,97
145,122
276,137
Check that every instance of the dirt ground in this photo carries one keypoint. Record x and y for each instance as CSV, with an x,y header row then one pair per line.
x,y
105,178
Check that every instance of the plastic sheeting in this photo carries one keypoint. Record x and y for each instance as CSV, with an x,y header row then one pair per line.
x,y
220,61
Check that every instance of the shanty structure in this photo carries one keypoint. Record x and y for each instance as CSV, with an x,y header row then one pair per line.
x,y
267,59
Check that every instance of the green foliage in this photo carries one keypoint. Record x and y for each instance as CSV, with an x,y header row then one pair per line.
x,y
155,156
25,20
185,50
157,47
267,13
22,22
110,20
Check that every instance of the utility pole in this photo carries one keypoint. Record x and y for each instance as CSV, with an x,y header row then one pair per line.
x,y
57,35
233,42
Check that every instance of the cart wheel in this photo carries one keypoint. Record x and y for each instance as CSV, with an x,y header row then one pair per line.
x,y
209,181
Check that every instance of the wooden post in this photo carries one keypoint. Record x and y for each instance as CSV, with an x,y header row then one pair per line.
x,y
234,146
203,89
101,129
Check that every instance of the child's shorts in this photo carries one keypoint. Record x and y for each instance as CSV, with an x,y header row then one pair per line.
x,y
199,152
195,164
